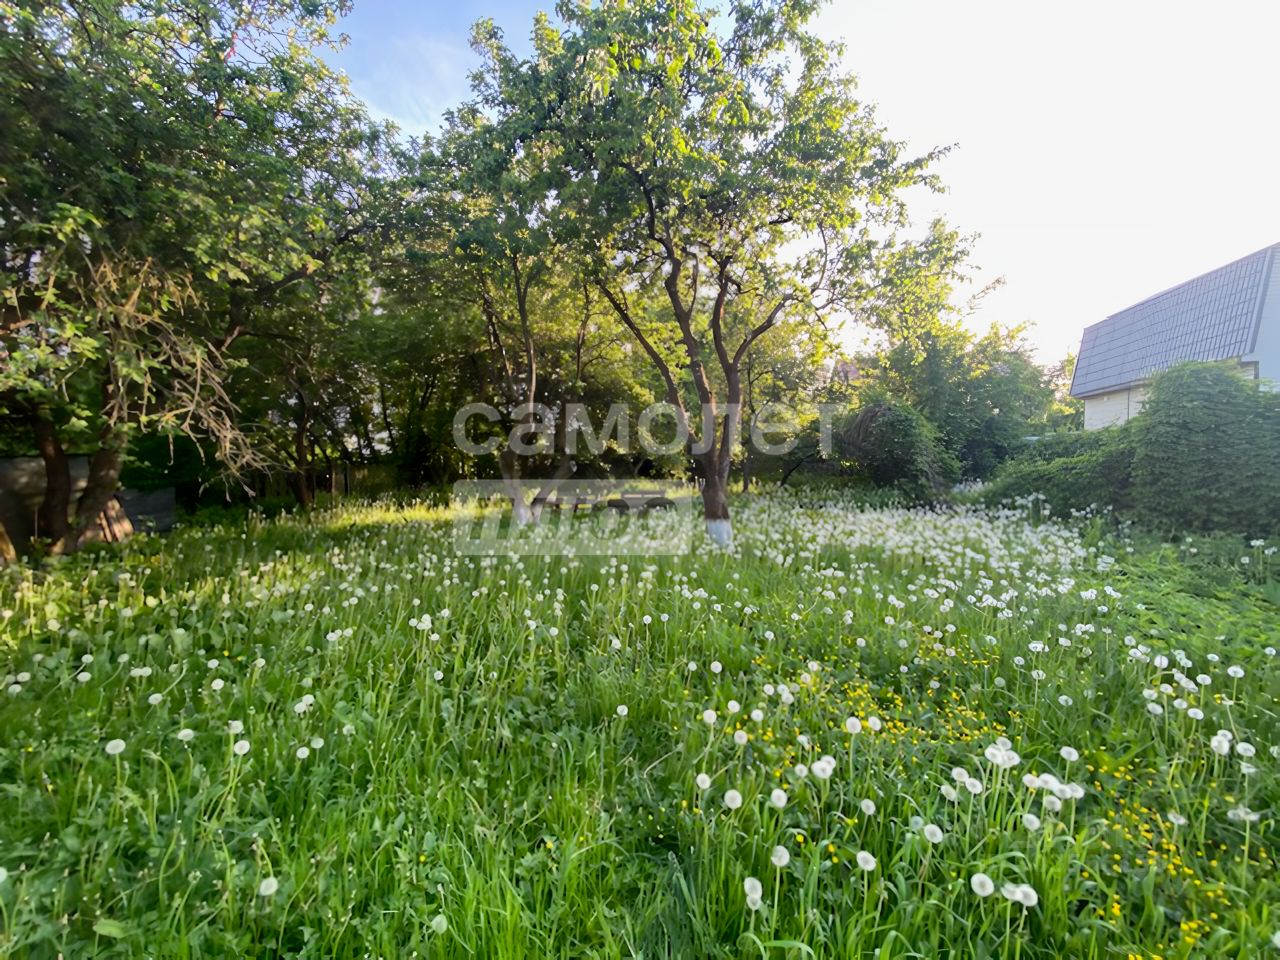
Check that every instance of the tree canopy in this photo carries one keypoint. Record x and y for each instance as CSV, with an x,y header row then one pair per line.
x,y
203,233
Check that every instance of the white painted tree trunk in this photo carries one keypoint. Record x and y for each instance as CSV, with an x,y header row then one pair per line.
x,y
720,532
521,514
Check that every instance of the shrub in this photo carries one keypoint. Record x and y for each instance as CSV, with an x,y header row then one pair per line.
x,y
892,445
1101,474
1207,452
1070,443
1204,455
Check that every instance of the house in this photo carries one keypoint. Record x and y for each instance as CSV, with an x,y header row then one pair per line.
x,y
1232,313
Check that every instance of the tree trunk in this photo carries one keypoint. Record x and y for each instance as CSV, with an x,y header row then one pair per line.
x,y
509,466
104,480
715,504
56,505
8,554
302,482
386,419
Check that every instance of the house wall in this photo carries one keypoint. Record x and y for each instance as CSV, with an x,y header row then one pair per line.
x,y
1266,351
1113,408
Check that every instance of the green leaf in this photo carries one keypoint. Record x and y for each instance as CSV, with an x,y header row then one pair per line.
x,y
111,928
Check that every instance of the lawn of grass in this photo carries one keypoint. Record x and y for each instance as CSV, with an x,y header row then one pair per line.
x,y
927,733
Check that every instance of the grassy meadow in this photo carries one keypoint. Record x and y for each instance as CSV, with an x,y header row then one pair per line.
x,y
864,732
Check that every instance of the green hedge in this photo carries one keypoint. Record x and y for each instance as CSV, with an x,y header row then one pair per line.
x,y
1204,455
1207,452
1069,443
1100,476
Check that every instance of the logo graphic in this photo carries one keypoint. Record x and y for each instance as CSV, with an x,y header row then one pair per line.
x,y
586,518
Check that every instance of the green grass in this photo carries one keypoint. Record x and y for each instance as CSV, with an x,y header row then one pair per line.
x,y
478,794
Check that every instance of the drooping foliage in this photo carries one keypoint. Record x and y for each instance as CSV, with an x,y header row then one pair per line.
x,y
173,178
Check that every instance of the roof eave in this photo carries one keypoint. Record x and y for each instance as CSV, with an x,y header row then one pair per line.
x,y
1112,388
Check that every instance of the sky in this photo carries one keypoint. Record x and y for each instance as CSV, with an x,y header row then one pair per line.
x,y
1103,151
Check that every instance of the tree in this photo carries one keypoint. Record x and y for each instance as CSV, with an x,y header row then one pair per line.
x,y
781,380
983,394
168,172
719,184
477,258
1065,412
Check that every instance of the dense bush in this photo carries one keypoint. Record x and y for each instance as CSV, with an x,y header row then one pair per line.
x,y
1207,452
1204,455
1068,443
1096,471
893,445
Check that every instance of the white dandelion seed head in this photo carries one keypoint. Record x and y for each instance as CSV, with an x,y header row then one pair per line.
x,y
982,885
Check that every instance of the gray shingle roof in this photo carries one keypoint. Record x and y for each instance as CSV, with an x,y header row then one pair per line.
x,y
1213,317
